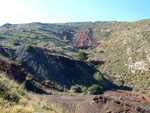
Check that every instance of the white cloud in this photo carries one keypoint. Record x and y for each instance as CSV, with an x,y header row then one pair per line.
x,y
12,12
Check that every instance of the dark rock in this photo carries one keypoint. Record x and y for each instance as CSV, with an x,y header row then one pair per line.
x,y
3,52
59,69
97,62
31,87
16,44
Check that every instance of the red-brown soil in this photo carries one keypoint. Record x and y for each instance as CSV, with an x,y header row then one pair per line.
x,y
83,40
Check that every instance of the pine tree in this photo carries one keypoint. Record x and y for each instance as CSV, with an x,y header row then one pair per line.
x,y
82,55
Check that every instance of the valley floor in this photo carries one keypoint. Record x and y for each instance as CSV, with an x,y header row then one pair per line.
x,y
117,101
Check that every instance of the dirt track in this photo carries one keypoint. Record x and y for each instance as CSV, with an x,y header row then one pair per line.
x,y
117,101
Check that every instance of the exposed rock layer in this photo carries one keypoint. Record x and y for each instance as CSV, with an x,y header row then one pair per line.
x,y
59,69
11,68
83,40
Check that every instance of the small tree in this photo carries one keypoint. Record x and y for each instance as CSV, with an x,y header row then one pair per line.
x,y
98,77
82,55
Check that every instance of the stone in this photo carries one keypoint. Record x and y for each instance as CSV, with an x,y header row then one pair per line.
x,y
140,65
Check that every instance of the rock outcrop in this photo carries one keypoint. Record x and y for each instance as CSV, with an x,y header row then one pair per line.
x,y
115,102
83,40
140,65
51,71
12,69
59,69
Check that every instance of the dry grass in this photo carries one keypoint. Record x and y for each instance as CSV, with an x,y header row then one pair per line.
x,y
25,103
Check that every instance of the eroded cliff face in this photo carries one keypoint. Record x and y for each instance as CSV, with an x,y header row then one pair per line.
x,y
12,69
83,40
59,69
51,71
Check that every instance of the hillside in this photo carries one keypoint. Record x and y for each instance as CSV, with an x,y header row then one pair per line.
x,y
127,55
15,99
124,46
42,70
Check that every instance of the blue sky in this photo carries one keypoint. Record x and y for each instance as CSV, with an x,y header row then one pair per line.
x,y
60,11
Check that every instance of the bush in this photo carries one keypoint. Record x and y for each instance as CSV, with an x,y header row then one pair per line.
x,y
95,89
84,89
76,89
98,77
28,48
82,55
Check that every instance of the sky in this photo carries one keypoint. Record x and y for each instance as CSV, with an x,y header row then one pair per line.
x,y
61,11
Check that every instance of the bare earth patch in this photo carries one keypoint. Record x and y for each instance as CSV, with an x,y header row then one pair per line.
x,y
113,101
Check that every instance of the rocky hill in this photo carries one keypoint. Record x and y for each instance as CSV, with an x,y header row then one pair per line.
x,y
41,69
58,69
124,46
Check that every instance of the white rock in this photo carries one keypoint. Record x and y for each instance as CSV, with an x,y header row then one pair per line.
x,y
140,65
126,41
128,51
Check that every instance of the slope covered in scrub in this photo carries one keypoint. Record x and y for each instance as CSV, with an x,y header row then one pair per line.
x,y
124,46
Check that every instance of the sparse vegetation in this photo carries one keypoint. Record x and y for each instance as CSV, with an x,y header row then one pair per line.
x,y
14,99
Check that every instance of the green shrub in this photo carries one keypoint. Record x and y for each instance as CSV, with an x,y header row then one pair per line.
x,y
84,89
95,89
28,48
82,55
76,89
98,77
